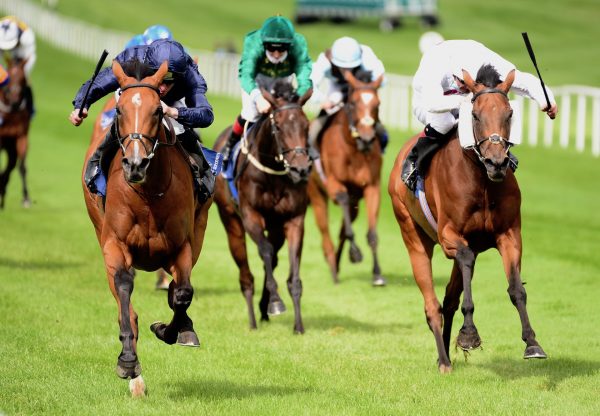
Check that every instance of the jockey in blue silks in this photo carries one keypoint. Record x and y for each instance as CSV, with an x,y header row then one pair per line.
x,y
183,81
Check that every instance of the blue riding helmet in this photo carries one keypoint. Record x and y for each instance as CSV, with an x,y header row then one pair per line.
x,y
157,32
137,40
166,50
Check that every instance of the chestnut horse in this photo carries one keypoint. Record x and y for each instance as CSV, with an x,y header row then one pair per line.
x,y
351,160
151,217
14,127
475,201
271,176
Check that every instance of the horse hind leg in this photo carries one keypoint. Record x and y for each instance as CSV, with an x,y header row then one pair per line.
x,y
372,200
21,154
5,174
451,303
318,200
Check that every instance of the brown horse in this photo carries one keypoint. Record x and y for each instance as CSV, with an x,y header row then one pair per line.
x,y
351,159
271,176
14,127
151,217
476,203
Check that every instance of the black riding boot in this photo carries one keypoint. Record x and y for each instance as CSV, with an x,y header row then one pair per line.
x,y
226,151
105,151
417,160
203,176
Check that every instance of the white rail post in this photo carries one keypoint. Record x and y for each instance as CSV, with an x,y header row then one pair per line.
x,y
580,136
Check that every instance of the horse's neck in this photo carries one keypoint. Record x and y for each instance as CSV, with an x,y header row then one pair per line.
x,y
457,161
264,142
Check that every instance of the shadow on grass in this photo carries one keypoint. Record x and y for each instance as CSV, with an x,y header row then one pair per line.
x,y
553,370
393,279
338,323
37,264
219,390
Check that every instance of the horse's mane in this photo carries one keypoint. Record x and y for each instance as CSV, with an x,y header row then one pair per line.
x,y
284,89
363,75
488,76
137,69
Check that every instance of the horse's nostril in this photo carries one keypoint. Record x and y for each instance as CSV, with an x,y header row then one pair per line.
x,y
125,161
144,163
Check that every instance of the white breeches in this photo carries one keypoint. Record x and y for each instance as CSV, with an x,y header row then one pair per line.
x,y
441,122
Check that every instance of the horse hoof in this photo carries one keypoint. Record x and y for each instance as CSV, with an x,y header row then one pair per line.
x,y
188,339
159,329
355,255
26,203
445,368
137,387
379,281
126,369
276,308
534,351
468,340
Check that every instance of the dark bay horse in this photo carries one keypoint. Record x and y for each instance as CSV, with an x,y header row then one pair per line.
x,y
151,218
351,160
271,176
14,127
475,201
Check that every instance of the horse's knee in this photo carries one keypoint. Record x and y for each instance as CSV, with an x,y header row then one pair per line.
x,y
372,238
266,250
516,292
124,282
342,198
295,287
465,257
182,297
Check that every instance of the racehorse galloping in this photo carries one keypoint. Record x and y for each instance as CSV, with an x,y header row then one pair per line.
x,y
351,158
14,127
151,217
476,202
271,176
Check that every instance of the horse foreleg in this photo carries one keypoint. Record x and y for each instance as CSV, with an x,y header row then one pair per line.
x,y
294,233
318,200
120,280
254,224
372,201
509,246
21,154
236,238
5,174
468,337
346,233
451,301
181,293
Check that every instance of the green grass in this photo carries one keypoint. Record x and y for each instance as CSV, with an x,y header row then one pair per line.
x,y
366,351
561,32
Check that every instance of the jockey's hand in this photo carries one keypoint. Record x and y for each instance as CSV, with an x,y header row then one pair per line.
x,y
170,111
74,116
328,105
262,105
552,111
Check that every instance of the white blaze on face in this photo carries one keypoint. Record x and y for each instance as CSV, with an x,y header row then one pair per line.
x,y
366,98
136,152
137,101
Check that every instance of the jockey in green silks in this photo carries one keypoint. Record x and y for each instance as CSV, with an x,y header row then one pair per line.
x,y
274,51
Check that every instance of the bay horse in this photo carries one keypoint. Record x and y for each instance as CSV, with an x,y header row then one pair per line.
x,y
151,218
475,201
351,160
271,176
14,128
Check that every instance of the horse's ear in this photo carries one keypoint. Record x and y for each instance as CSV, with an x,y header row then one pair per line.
x,y
469,82
305,97
119,73
268,96
508,81
349,76
160,74
377,83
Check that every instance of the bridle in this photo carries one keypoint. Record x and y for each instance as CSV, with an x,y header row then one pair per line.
x,y
493,138
139,136
349,109
6,106
281,151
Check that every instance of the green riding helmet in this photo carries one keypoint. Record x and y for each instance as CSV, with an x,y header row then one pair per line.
x,y
277,29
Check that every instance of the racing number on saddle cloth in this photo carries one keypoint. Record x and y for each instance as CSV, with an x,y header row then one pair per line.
x,y
465,124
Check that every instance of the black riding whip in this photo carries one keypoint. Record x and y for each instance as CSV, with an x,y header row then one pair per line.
x,y
98,66
532,56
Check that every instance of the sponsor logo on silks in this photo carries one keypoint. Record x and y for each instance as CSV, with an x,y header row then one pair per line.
x,y
107,118
215,160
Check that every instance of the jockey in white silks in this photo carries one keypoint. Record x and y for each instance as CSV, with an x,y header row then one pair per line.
x,y
439,91
346,54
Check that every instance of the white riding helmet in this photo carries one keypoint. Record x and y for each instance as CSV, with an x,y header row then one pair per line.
x,y
9,34
428,40
346,53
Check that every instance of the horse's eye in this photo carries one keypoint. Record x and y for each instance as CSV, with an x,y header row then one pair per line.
x,y
158,112
510,114
475,116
